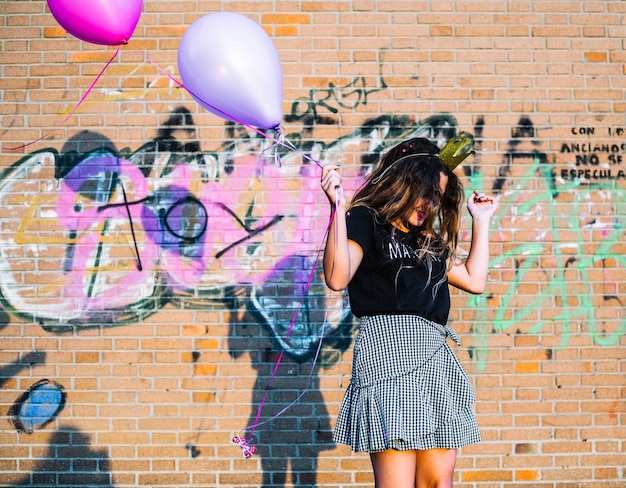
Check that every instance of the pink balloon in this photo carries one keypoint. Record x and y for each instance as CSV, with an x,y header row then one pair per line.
x,y
230,66
109,22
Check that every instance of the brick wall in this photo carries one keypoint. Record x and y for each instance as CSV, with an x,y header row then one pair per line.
x,y
153,257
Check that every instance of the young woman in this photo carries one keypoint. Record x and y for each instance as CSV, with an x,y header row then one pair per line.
x,y
409,402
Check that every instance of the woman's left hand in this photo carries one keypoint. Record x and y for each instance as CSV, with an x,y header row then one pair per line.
x,y
481,205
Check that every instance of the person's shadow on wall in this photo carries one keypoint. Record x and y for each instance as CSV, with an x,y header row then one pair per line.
x,y
70,461
288,441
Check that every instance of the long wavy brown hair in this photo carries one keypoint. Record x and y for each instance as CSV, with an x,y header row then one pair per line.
x,y
406,175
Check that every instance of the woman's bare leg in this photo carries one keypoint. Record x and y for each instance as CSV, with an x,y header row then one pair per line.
x,y
394,469
433,468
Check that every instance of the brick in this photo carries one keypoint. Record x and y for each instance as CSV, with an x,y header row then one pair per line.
x,y
486,475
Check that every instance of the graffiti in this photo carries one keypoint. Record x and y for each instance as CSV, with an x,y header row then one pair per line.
x,y
531,190
140,229
333,99
37,406
160,82
104,194
168,222
595,174
593,160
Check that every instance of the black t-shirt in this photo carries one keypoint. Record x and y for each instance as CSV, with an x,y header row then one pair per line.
x,y
391,278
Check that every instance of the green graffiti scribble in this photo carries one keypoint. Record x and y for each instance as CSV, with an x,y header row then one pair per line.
x,y
575,306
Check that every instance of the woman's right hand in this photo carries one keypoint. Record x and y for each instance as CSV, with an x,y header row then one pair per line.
x,y
331,184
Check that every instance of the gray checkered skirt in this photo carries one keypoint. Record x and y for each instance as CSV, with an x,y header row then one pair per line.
x,y
408,389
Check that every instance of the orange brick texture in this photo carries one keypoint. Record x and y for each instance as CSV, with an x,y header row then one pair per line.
x,y
157,262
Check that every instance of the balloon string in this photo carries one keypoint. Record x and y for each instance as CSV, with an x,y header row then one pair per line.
x,y
87,92
256,423
244,443
280,141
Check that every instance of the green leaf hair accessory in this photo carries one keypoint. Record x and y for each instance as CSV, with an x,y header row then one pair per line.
x,y
457,150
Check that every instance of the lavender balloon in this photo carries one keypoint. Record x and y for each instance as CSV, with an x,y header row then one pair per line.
x,y
230,66
108,22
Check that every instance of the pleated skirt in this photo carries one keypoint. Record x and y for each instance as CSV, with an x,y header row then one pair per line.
x,y
408,389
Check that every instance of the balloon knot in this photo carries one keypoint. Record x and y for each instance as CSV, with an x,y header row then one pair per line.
x,y
274,149
279,133
246,449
